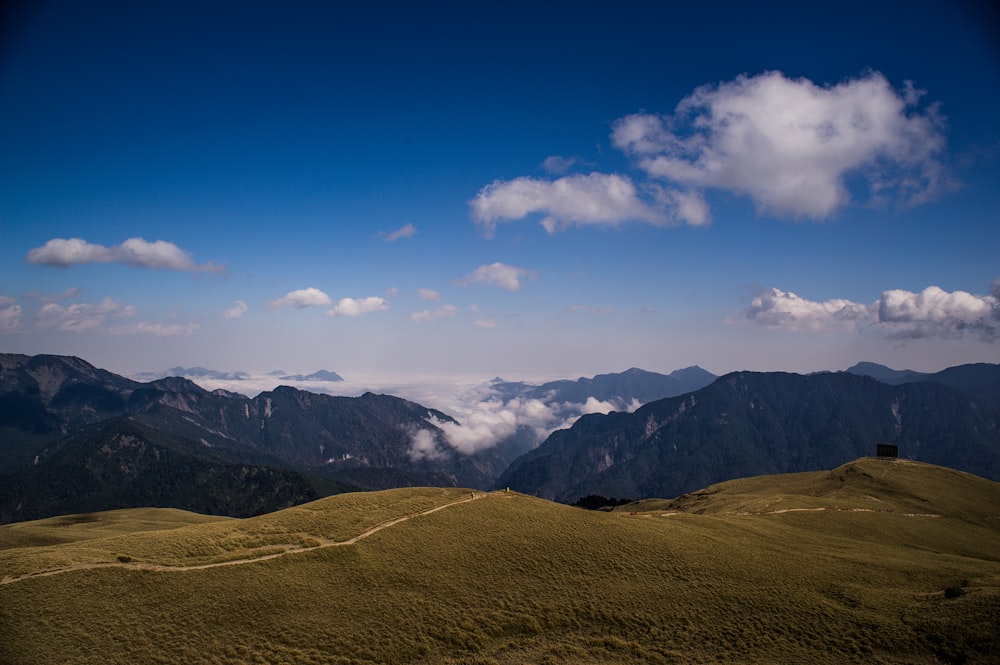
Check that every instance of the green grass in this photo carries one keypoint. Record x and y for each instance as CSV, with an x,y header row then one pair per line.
x,y
513,579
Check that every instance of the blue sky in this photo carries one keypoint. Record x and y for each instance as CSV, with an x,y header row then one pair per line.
x,y
513,190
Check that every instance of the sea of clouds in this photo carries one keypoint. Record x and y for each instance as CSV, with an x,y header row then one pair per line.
x,y
486,415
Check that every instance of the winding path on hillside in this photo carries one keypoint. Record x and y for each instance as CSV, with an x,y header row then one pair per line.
x,y
131,565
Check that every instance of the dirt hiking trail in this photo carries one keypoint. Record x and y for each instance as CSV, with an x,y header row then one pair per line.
x,y
131,565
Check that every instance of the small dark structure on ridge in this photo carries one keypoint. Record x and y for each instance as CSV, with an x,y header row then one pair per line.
x,y
886,450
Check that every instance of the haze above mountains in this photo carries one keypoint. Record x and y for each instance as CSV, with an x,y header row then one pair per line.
x,y
78,438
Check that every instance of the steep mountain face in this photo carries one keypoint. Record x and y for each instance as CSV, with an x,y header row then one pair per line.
x,y
43,396
621,388
748,424
54,409
120,463
372,441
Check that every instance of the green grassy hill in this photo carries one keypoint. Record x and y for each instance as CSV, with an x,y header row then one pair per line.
x,y
846,566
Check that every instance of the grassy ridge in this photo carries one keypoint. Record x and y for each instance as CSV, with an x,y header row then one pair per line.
x,y
884,485
210,539
513,579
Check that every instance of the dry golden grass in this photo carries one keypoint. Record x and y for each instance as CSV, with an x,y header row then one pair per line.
x,y
513,579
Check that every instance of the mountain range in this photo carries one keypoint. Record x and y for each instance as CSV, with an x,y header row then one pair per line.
x,y
748,423
60,413
203,373
78,438
621,390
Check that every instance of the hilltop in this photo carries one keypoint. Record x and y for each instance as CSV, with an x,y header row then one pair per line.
x,y
868,484
437,576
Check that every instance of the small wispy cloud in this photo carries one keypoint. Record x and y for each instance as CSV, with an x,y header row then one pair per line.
x,y
10,315
300,299
313,297
238,309
429,295
576,200
54,313
134,252
358,306
442,312
80,317
155,329
407,231
558,165
498,274
485,322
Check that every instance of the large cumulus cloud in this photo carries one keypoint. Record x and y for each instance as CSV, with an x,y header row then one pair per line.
x,y
795,148
790,145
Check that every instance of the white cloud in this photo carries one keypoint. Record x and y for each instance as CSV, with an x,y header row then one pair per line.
x,y
62,252
359,306
429,295
407,231
498,274
157,329
238,309
935,312
135,252
559,165
774,308
68,294
442,312
139,253
490,420
485,323
688,207
10,315
597,198
424,446
897,314
482,428
313,297
300,299
594,405
80,317
790,144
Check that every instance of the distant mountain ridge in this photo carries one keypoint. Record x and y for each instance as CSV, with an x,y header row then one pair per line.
x,y
632,385
980,380
747,424
203,373
321,375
